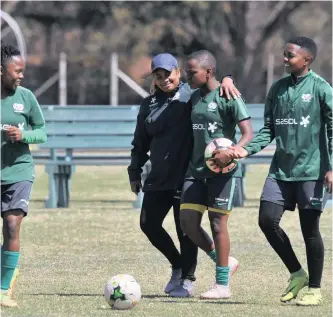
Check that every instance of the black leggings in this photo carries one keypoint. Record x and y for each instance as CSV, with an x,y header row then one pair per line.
x,y
155,207
270,215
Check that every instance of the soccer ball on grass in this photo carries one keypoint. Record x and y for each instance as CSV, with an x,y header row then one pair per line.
x,y
122,291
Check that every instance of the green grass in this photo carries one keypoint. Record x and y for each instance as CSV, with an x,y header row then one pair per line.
x,y
69,254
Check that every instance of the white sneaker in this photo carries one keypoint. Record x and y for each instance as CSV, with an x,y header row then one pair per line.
x,y
217,292
174,281
184,290
233,265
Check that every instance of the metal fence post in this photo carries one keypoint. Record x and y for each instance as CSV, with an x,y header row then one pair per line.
x,y
63,79
114,86
270,72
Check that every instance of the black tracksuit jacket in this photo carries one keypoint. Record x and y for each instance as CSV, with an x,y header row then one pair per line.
x,y
163,130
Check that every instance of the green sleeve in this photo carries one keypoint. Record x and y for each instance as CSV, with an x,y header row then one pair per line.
x,y
36,121
239,110
266,134
35,136
325,97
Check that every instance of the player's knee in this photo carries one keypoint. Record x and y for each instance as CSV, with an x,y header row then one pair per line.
x,y
186,224
261,225
12,224
266,222
218,222
145,222
215,225
150,227
12,229
147,228
263,222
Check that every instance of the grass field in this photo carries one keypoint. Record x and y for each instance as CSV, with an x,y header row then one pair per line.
x,y
69,254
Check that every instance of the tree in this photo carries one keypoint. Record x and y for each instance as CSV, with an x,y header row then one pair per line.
x,y
240,35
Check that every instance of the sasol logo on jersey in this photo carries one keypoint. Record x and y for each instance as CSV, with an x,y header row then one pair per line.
x,y
198,126
7,126
4,126
304,122
212,127
286,121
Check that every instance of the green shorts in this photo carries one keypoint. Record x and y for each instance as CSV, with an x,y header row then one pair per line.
x,y
213,194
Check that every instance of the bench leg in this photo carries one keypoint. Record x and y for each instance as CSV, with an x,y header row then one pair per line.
x,y
65,172
51,200
63,192
59,186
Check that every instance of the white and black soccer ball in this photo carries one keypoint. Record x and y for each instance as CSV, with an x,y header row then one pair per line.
x,y
122,291
219,144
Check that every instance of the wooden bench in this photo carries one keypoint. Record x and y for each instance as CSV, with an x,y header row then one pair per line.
x,y
94,129
89,129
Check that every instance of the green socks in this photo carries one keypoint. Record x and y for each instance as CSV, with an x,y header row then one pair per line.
x,y
222,272
222,275
9,261
212,255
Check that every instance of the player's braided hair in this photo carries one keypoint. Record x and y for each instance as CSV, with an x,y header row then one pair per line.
x,y
306,43
205,59
7,53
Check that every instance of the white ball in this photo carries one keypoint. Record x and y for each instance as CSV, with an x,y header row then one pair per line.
x,y
122,291
219,144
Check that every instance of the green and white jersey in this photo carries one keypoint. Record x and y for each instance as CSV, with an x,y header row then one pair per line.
x,y
299,116
213,117
21,109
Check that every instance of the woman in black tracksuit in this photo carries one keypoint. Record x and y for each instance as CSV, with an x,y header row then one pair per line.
x,y
164,129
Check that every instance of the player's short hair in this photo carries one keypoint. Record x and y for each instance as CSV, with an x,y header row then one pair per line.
x,y
7,53
305,43
205,59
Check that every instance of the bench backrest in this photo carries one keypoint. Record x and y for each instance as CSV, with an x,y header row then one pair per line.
x,y
89,127
103,127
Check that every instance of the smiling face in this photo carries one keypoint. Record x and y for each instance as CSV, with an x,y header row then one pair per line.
x,y
165,80
296,59
12,73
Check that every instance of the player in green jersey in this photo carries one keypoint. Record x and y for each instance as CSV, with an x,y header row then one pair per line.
x,y
19,109
212,117
164,130
298,114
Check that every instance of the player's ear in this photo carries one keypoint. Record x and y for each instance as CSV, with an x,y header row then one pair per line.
x,y
307,60
209,72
